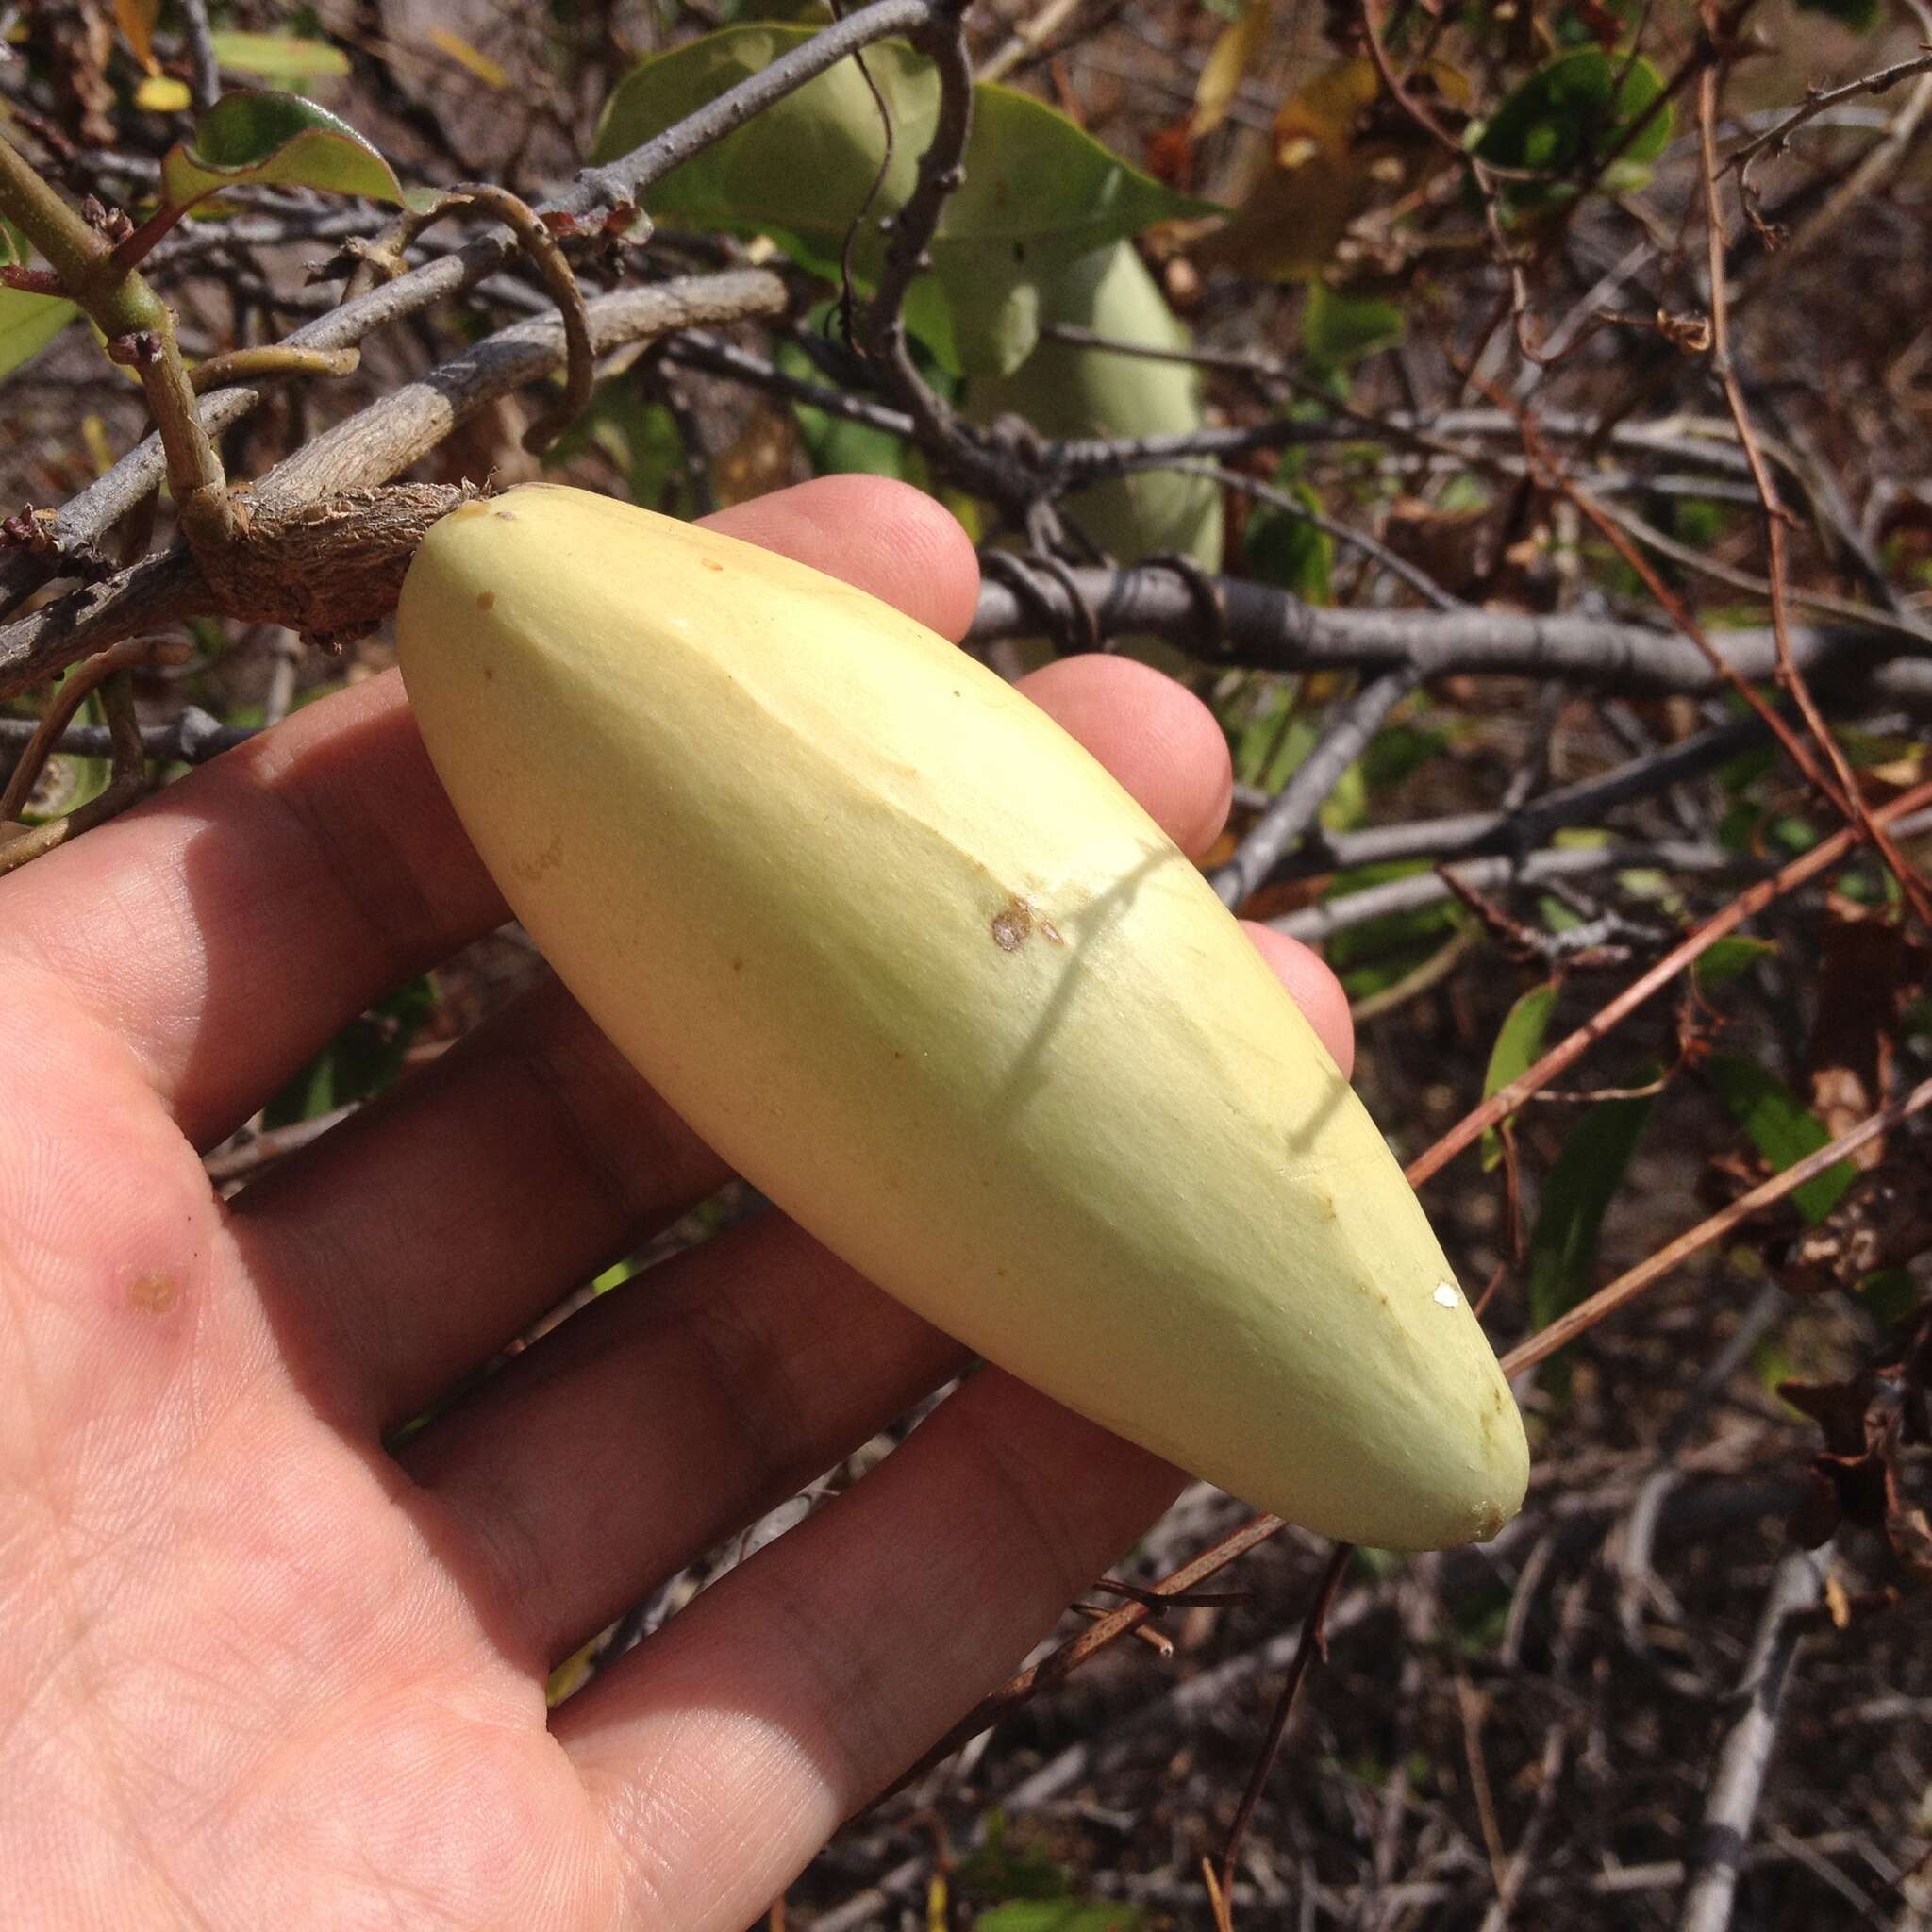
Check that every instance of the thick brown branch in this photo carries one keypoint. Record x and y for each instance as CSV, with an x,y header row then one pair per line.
x,y
368,449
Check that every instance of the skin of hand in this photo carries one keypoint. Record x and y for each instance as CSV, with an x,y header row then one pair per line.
x,y
256,1671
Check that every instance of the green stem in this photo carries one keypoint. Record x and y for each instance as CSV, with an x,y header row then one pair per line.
x,y
45,220
126,309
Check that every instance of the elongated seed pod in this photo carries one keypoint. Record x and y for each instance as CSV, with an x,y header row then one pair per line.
x,y
915,964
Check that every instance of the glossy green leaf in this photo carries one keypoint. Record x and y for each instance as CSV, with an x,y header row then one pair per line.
x,y
28,325
1580,107
1039,192
1576,1193
255,137
1519,1046
1339,330
1781,1128
287,59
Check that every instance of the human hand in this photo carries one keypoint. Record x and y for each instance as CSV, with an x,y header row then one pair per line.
x,y
256,1671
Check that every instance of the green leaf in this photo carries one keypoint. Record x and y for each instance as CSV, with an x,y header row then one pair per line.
x,y
1339,330
1059,1915
29,324
27,321
285,58
1281,548
1859,15
1580,105
1580,1186
1731,958
1039,192
1519,1045
361,1059
1781,1128
260,136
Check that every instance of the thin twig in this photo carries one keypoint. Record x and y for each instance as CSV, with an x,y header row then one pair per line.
x,y
205,77
76,689
368,448
908,255
1314,1643
1293,810
1776,139
1418,580
1506,1100
536,239
1631,1284
612,185
1776,520
1028,38
1056,1667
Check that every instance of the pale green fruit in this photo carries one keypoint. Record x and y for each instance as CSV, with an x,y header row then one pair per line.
x,y
1066,391
898,948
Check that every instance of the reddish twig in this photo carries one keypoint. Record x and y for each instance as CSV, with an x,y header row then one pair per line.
x,y
1551,469
1482,177
1776,519
1056,1669
1629,1285
1747,905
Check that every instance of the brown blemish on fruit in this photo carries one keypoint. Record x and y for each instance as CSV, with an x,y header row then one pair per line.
x,y
1012,924
710,563
738,965
488,675
1051,933
531,870
153,1294
486,600
505,516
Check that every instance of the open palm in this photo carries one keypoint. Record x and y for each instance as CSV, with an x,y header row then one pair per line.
x,y
258,1670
